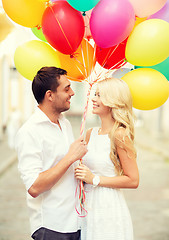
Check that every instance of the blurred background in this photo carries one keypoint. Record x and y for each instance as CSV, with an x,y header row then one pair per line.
x,y
149,204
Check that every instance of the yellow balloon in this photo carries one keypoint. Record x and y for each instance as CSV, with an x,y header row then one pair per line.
x,y
148,44
27,13
33,55
149,88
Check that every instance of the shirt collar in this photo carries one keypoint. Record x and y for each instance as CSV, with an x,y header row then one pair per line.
x,y
42,117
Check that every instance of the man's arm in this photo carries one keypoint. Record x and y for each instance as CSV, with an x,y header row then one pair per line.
x,y
47,179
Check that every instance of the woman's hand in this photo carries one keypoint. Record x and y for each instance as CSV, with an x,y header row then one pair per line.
x,y
83,173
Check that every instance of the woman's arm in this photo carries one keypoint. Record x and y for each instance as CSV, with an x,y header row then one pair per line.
x,y
130,178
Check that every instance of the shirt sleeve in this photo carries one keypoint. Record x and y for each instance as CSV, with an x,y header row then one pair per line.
x,y
30,157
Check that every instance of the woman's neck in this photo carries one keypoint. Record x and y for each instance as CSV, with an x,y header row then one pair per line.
x,y
107,123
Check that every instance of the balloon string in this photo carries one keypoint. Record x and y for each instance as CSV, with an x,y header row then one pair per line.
x,y
107,56
85,111
83,59
83,211
61,28
80,186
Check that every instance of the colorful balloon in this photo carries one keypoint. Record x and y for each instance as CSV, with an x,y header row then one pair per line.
x,y
162,67
148,44
144,8
38,33
27,13
163,13
33,55
111,22
149,88
83,5
111,58
63,27
80,65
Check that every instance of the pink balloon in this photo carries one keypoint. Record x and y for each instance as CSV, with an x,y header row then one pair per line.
x,y
145,8
162,14
111,22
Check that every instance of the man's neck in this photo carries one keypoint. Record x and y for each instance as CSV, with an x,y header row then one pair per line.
x,y
53,116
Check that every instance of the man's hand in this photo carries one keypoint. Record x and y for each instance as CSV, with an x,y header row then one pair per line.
x,y
77,149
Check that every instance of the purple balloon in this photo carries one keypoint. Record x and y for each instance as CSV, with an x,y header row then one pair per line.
x,y
163,13
111,22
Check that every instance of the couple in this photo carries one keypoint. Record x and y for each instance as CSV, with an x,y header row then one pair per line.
x,y
47,154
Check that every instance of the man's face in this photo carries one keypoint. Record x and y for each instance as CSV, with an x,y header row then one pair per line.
x,y
62,96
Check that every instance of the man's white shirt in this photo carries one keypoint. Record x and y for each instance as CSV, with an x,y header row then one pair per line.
x,y
41,144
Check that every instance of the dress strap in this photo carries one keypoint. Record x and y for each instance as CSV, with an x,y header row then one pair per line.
x,y
94,131
91,133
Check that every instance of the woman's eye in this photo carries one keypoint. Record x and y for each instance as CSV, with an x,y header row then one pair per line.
x,y
97,94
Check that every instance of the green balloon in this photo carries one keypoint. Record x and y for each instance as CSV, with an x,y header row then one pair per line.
x,y
38,33
83,5
162,67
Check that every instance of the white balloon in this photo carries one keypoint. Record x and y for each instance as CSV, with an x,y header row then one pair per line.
x,y
119,73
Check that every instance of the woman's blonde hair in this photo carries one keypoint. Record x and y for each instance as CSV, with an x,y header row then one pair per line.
x,y
115,94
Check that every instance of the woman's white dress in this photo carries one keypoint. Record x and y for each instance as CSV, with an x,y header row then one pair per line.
x,y
108,216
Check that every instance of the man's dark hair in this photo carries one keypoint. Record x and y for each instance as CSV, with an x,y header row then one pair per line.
x,y
46,79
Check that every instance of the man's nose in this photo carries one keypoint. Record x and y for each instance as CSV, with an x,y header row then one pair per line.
x,y
72,92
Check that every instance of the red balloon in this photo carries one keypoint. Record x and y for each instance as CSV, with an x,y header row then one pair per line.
x,y
113,57
63,27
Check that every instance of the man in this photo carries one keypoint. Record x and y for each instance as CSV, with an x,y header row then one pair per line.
x,y
46,156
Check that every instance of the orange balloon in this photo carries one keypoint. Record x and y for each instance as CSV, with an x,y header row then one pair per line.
x,y
80,64
138,21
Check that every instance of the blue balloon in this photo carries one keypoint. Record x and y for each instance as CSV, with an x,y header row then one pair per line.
x,y
162,67
83,5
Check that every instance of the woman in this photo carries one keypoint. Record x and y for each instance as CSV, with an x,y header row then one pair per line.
x,y
109,165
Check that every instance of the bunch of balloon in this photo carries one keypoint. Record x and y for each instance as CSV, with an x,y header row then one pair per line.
x,y
163,66
147,49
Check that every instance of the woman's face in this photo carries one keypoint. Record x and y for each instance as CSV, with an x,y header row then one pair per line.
x,y
98,107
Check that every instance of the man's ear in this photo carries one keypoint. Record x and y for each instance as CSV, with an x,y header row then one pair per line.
x,y
49,95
